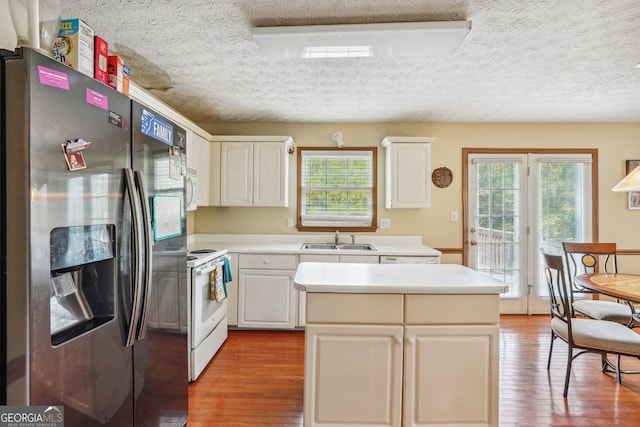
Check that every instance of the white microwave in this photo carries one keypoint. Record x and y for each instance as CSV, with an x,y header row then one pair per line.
x,y
191,184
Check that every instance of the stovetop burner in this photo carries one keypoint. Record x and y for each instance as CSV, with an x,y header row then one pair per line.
x,y
197,257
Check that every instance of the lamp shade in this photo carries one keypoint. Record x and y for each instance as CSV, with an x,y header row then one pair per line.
x,y
631,182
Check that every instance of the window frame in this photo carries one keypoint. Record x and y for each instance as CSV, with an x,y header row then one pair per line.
x,y
374,192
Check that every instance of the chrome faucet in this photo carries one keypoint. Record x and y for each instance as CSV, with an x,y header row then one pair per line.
x,y
337,238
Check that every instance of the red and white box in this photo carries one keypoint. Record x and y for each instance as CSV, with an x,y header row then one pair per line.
x,y
118,74
101,49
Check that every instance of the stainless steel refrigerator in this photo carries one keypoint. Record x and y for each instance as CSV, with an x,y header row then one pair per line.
x,y
93,244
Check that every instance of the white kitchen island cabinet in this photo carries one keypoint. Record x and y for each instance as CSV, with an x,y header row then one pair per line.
x,y
400,345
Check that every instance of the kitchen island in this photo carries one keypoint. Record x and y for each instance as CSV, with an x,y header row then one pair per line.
x,y
400,345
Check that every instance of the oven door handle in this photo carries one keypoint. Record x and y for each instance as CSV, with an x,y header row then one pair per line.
x,y
209,267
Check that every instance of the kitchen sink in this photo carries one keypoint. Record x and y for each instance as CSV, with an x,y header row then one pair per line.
x,y
339,246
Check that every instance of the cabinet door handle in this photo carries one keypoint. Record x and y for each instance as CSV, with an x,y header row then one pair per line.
x,y
398,340
266,261
411,341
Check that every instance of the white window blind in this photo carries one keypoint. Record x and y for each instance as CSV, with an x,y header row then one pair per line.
x,y
336,188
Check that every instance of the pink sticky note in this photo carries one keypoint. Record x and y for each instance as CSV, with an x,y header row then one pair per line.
x,y
53,78
97,99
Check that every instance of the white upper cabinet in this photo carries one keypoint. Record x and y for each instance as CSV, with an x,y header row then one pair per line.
x,y
407,170
236,174
254,170
270,174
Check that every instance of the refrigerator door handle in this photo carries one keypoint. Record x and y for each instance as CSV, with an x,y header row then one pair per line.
x,y
136,215
148,244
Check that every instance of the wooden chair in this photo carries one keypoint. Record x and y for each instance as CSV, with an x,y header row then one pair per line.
x,y
590,258
583,335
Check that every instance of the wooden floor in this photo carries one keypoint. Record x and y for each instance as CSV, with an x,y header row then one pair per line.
x,y
256,379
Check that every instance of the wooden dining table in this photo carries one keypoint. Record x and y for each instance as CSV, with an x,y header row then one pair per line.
x,y
622,286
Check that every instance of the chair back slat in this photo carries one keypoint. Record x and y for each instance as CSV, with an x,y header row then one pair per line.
x,y
589,258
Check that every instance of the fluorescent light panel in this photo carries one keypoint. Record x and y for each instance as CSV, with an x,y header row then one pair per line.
x,y
385,39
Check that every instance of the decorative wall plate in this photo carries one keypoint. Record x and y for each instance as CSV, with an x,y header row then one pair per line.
x,y
442,177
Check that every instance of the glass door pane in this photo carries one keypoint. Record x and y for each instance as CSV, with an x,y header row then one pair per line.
x,y
497,224
518,205
561,187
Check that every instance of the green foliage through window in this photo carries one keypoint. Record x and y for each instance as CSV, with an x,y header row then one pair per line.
x,y
337,187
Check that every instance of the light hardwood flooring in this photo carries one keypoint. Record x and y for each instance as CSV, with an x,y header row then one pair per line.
x,y
256,379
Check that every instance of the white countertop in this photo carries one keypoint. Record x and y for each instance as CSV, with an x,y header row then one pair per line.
x,y
290,244
394,278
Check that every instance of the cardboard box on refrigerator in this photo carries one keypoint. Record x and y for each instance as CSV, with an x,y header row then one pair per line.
x,y
118,74
74,45
101,48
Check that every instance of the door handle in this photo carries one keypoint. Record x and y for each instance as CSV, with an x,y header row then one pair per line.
x,y
473,243
472,230
137,236
147,244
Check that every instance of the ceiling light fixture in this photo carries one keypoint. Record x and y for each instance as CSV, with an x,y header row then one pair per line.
x,y
358,40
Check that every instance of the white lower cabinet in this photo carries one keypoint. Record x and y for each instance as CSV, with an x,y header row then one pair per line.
x,y
447,375
357,375
395,360
266,297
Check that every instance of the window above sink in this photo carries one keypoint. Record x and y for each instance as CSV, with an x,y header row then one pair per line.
x,y
337,189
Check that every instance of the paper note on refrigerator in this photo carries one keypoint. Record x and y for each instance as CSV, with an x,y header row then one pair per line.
x,y
166,216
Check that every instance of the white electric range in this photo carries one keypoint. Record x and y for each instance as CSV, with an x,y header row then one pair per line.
x,y
207,318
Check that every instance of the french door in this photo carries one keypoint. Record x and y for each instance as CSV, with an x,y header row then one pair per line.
x,y
518,204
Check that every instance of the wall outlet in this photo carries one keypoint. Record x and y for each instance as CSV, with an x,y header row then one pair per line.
x,y
385,223
454,216
290,222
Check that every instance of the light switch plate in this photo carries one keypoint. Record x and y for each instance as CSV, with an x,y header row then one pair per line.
x,y
385,223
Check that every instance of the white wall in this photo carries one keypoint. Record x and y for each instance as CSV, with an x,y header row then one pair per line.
x,y
615,143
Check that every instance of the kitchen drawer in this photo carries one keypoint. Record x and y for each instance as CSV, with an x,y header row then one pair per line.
x,y
452,309
374,309
267,261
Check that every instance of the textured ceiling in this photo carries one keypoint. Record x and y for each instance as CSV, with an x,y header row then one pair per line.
x,y
523,61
